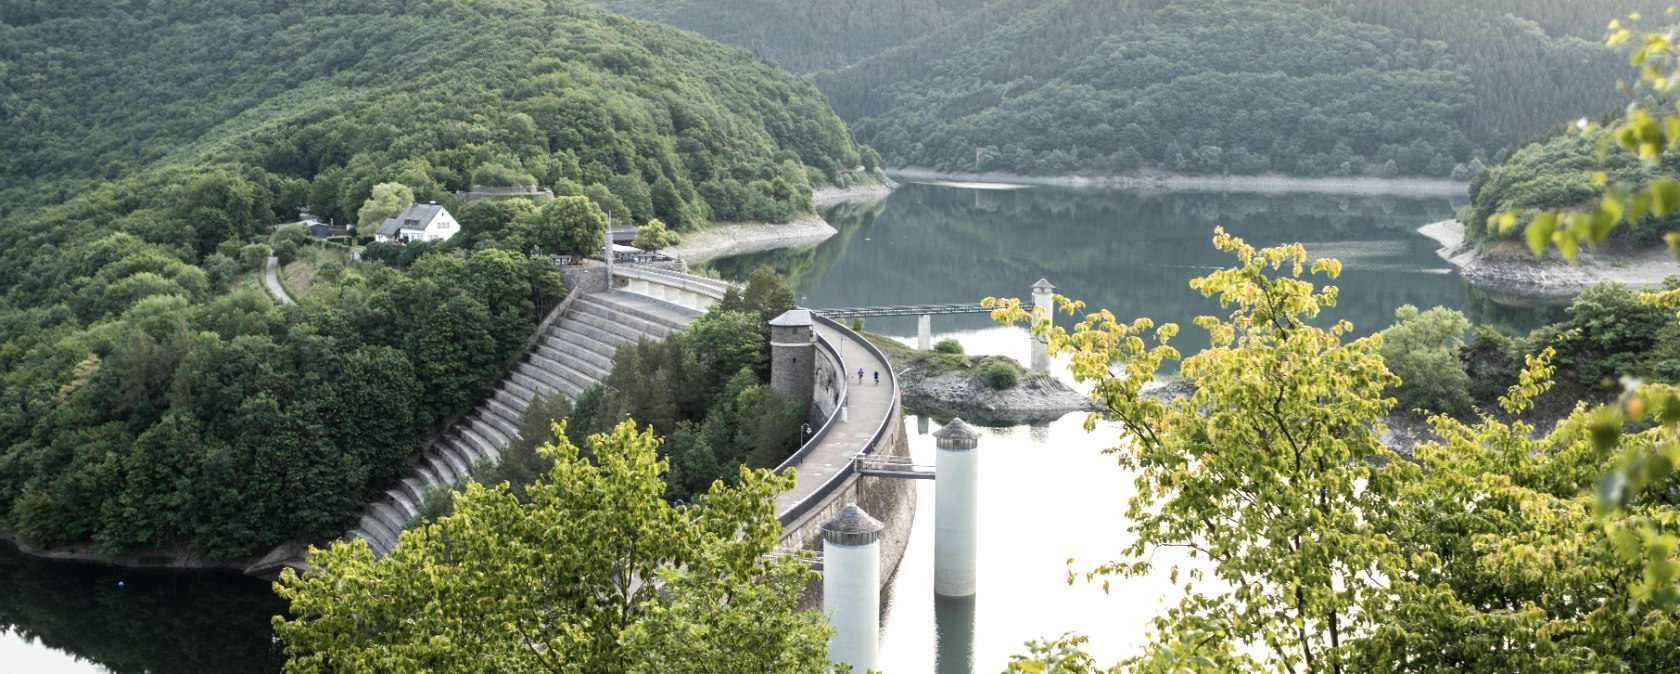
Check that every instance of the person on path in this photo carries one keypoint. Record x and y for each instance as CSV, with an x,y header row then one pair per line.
x,y
860,375
877,377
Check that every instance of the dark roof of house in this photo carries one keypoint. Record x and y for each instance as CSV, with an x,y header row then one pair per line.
x,y
415,217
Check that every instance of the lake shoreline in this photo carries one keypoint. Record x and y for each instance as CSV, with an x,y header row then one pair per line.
x,y
1509,266
736,238
164,563
1265,184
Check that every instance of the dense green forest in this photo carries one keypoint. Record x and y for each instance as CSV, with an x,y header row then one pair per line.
x,y
154,401
1557,172
1308,87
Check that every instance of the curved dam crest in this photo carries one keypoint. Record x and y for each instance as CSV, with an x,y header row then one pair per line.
x,y
573,346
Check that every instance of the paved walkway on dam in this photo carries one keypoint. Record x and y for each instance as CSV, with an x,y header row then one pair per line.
x,y
870,405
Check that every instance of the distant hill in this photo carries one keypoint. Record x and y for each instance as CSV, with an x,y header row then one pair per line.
x,y
154,400
1195,86
341,94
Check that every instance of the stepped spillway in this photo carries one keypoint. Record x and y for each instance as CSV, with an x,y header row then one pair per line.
x,y
574,351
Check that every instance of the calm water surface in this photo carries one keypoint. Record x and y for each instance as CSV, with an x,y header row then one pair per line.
x,y
1048,492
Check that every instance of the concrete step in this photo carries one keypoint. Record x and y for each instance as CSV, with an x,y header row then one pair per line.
x,y
448,466
389,515
380,536
589,371
403,499
575,374
645,316
605,342
513,396
501,416
568,338
413,487
649,309
494,437
427,474
625,328
554,349
465,455
549,373
374,544
526,381
475,445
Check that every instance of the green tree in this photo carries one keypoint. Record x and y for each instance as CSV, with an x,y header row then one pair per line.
x,y
567,226
597,573
1422,350
387,201
1266,471
767,294
722,343
654,236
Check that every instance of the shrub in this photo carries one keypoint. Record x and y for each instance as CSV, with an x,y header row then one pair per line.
x,y
1422,349
948,345
1001,376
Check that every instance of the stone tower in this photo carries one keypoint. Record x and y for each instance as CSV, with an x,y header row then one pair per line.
x,y
793,357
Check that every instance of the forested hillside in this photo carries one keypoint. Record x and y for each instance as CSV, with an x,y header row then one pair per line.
x,y
806,35
1309,87
152,399
1557,172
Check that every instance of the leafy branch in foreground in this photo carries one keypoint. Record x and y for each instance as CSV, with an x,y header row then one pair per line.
x,y
1633,494
596,572
1313,548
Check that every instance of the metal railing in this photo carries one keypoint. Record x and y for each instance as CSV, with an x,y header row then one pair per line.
x,y
704,286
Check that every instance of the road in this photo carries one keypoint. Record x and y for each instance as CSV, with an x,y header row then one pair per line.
x,y
869,404
271,277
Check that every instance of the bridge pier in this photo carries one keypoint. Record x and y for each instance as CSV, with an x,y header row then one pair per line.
x,y
1044,309
956,517
924,332
852,587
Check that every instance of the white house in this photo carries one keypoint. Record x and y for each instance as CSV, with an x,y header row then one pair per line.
x,y
418,222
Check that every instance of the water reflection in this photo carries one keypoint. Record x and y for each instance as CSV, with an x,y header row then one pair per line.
x,y
1129,251
136,621
953,623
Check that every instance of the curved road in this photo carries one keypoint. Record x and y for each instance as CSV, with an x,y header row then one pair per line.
x,y
271,277
870,405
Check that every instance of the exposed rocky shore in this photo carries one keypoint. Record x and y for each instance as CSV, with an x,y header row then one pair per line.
x,y
735,239
1271,183
823,197
728,239
1037,397
1510,267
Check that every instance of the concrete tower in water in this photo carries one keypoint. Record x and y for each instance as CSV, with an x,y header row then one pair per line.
x,y
852,587
956,509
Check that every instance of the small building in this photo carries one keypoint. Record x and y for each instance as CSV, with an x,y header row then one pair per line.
x,y
418,222
322,230
621,234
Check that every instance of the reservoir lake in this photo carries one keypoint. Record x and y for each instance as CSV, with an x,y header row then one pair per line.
x,y
1048,493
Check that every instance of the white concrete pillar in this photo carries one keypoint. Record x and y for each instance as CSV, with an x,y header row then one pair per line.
x,y
1044,309
852,587
924,332
956,503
